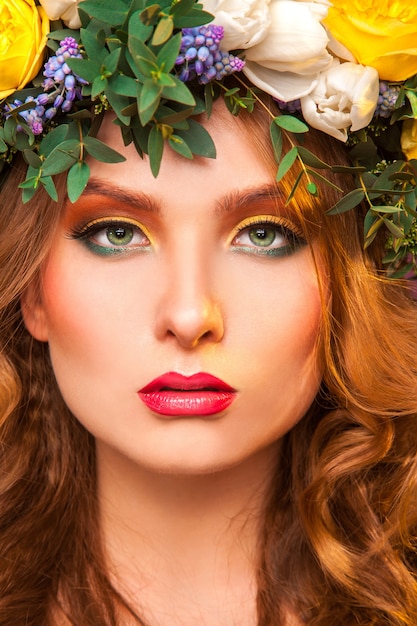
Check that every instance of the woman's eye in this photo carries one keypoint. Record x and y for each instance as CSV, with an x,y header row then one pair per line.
x,y
120,236
267,239
112,237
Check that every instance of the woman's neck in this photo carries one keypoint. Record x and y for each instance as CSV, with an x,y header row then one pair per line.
x,y
184,549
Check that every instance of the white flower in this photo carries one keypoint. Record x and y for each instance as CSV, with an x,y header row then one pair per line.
x,y
288,60
65,10
345,97
245,22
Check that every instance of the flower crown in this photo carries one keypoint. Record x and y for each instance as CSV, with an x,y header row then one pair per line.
x,y
350,72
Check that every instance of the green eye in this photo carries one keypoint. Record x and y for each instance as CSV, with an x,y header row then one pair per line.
x,y
262,236
119,235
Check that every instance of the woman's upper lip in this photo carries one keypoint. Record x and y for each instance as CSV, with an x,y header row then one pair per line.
x,y
179,382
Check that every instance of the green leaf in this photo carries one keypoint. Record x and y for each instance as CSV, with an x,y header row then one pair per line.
x,y
386,209
291,123
179,145
170,116
196,17
77,180
312,188
149,16
119,104
149,99
163,31
181,8
3,146
138,28
295,186
88,70
94,45
49,186
32,159
350,201
165,80
198,140
123,85
395,230
143,58
179,93
101,152
276,139
113,13
324,180
412,97
286,163
98,86
168,54
311,159
10,130
53,139
155,150
61,158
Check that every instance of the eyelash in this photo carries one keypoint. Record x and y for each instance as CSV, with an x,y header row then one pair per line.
x,y
87,232
282,228
278,227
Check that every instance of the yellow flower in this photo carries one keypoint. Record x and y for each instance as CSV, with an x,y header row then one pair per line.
x,y
23,31
379,33
409,139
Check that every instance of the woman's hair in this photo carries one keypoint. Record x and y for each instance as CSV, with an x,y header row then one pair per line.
x,y
340,522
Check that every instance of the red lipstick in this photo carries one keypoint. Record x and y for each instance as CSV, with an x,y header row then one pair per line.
x,y
176,395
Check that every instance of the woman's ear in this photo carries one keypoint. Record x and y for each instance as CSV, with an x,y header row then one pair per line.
x,y
33,311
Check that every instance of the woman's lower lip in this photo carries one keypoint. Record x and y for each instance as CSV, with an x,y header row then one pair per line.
x,y
187,403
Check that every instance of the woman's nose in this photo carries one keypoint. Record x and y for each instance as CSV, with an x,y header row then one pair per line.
x,y
188,310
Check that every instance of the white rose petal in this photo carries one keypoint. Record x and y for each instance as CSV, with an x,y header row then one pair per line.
x,y
284,86
345,97
245,22
294,48
63,9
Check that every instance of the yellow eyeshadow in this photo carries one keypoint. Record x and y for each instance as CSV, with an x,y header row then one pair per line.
x,y
106,221
255,220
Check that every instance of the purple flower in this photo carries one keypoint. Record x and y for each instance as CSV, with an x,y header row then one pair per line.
x,y
200,55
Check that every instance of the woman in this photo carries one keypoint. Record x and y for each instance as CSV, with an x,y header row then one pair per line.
x,y
208,398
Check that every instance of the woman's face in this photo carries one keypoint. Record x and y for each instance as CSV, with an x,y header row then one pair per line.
x,y
181,312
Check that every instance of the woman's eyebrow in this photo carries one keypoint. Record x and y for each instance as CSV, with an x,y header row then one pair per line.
x,y
97,186
234,200
251,196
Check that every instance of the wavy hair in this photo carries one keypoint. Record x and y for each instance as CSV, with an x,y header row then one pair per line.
x,y
338,541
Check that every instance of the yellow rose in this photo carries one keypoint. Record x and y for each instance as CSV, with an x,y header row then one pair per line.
x,y
23,30
379,33
409,139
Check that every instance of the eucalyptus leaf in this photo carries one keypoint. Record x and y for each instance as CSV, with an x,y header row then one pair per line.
x,y
179,145
155,150
49,186
310,159
163,31
291,123
286,163
61,157
148,101
32,158
393,228
179,93
198,140
350,201
94,45
276,139
168,53
101,152
113,13
77,180
86,69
